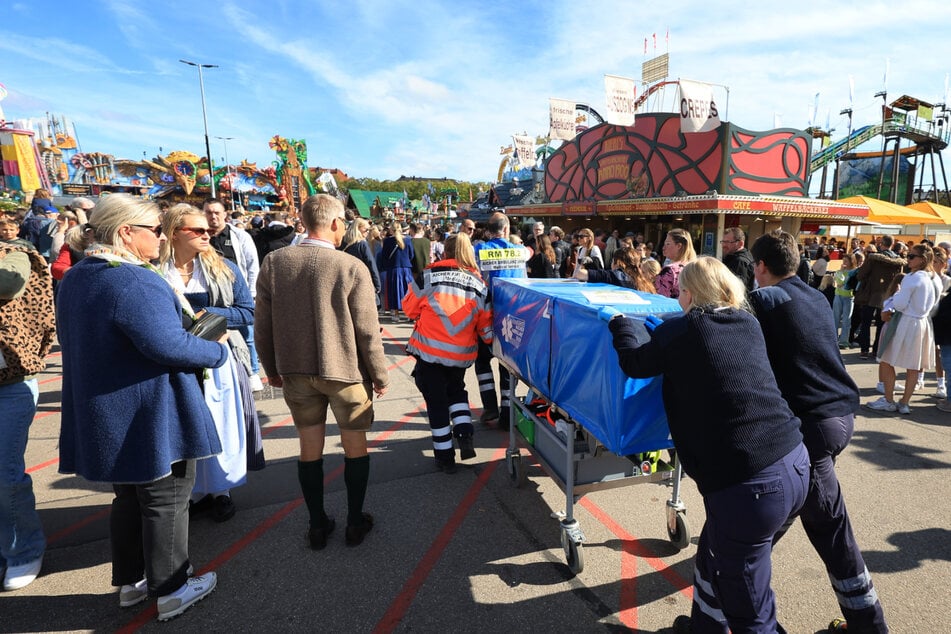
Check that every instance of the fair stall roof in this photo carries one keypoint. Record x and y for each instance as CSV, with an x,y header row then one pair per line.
x,y
942,212
887,213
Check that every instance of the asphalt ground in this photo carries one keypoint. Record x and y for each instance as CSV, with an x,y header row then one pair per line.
x,y
470,552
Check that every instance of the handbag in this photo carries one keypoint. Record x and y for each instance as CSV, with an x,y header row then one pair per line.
x,y
210,326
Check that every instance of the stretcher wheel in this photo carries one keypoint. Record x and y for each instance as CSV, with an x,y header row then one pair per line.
x,y
678,530
574,552
516,469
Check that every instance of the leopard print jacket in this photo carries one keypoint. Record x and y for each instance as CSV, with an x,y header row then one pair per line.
x,y
27,323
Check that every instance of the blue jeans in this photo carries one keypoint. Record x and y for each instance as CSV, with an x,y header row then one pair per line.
x,y
945,352
248,333
842,316
21,534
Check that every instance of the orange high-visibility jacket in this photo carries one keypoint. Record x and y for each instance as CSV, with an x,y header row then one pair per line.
x,y
451,314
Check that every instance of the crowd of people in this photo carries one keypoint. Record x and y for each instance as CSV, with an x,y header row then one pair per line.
x,y
192,305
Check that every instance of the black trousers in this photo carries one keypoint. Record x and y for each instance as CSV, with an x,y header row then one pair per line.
x,y
486,378
870,314
447,405
149,531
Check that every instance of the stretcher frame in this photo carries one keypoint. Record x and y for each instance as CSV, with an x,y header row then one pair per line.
x,y
587,466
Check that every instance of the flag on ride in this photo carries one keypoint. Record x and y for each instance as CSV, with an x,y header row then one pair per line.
x,y
524,150
561,119
620,94
698,110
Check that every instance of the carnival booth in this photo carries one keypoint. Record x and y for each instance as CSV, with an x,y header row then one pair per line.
x,y
588,424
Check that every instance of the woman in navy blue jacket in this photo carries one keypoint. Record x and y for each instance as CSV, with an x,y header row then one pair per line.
x,y
133,412
734,434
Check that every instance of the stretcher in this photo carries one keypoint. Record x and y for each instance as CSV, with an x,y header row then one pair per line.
x,y
588,425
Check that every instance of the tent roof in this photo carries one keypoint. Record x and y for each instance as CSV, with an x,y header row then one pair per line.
x,y
891,214
363,199
943,213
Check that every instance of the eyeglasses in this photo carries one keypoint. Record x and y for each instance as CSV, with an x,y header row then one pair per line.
x,y
198,231
728,241
912,256
157,230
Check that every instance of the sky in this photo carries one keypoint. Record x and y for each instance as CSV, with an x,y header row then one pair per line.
x,y
434,88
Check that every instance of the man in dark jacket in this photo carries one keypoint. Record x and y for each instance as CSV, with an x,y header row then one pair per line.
x,y
736,256
801,344
874,276
560,247
272,236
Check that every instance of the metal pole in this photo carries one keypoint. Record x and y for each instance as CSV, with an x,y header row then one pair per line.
x,y
224,140
204,117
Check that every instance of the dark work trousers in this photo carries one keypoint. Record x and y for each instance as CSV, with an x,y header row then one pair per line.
x,y
870,314
149,531
732,572
447,405
486,378
855,322
827,525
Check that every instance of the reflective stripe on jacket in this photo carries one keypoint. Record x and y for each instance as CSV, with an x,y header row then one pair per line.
x,y
450,313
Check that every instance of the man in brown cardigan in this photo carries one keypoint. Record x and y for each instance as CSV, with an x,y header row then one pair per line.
x,y
875,274
318,337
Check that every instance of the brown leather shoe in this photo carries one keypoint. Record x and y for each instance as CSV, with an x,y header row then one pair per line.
x,y
355,533
318,536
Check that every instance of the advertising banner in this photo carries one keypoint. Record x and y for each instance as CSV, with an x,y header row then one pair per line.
x,y
524,150
561,119
698,110
620,93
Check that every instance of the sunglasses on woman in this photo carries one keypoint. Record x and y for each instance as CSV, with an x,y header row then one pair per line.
x,y
157,230
198,231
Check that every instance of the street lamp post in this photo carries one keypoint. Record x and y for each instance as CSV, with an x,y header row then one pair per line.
x,y
224,140
204,116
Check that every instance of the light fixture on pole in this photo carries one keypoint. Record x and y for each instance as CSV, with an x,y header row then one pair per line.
x,y
204,116
225,139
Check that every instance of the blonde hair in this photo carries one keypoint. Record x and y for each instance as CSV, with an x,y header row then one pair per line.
x,y
459,248
115,211
355,231
397,231
175,219
683,239
650,269
712,285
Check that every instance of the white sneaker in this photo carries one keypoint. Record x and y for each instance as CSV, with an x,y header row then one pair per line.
x,y
920,385
23,575
880,387
194,590
256,384
881,405
903,408
134,594
941,392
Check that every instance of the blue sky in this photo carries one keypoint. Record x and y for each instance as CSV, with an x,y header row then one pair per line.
x,y
434,88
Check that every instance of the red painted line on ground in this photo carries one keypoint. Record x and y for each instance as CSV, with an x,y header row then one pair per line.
x,y
143,617
55,378
45,414
633,548
72,528
42,465
404,599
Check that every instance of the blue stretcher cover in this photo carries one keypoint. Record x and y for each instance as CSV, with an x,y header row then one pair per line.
x,y
549,332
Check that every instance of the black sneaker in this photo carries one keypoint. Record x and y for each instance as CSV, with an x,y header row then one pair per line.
x,y
466,450
355,533
489,416
223,508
